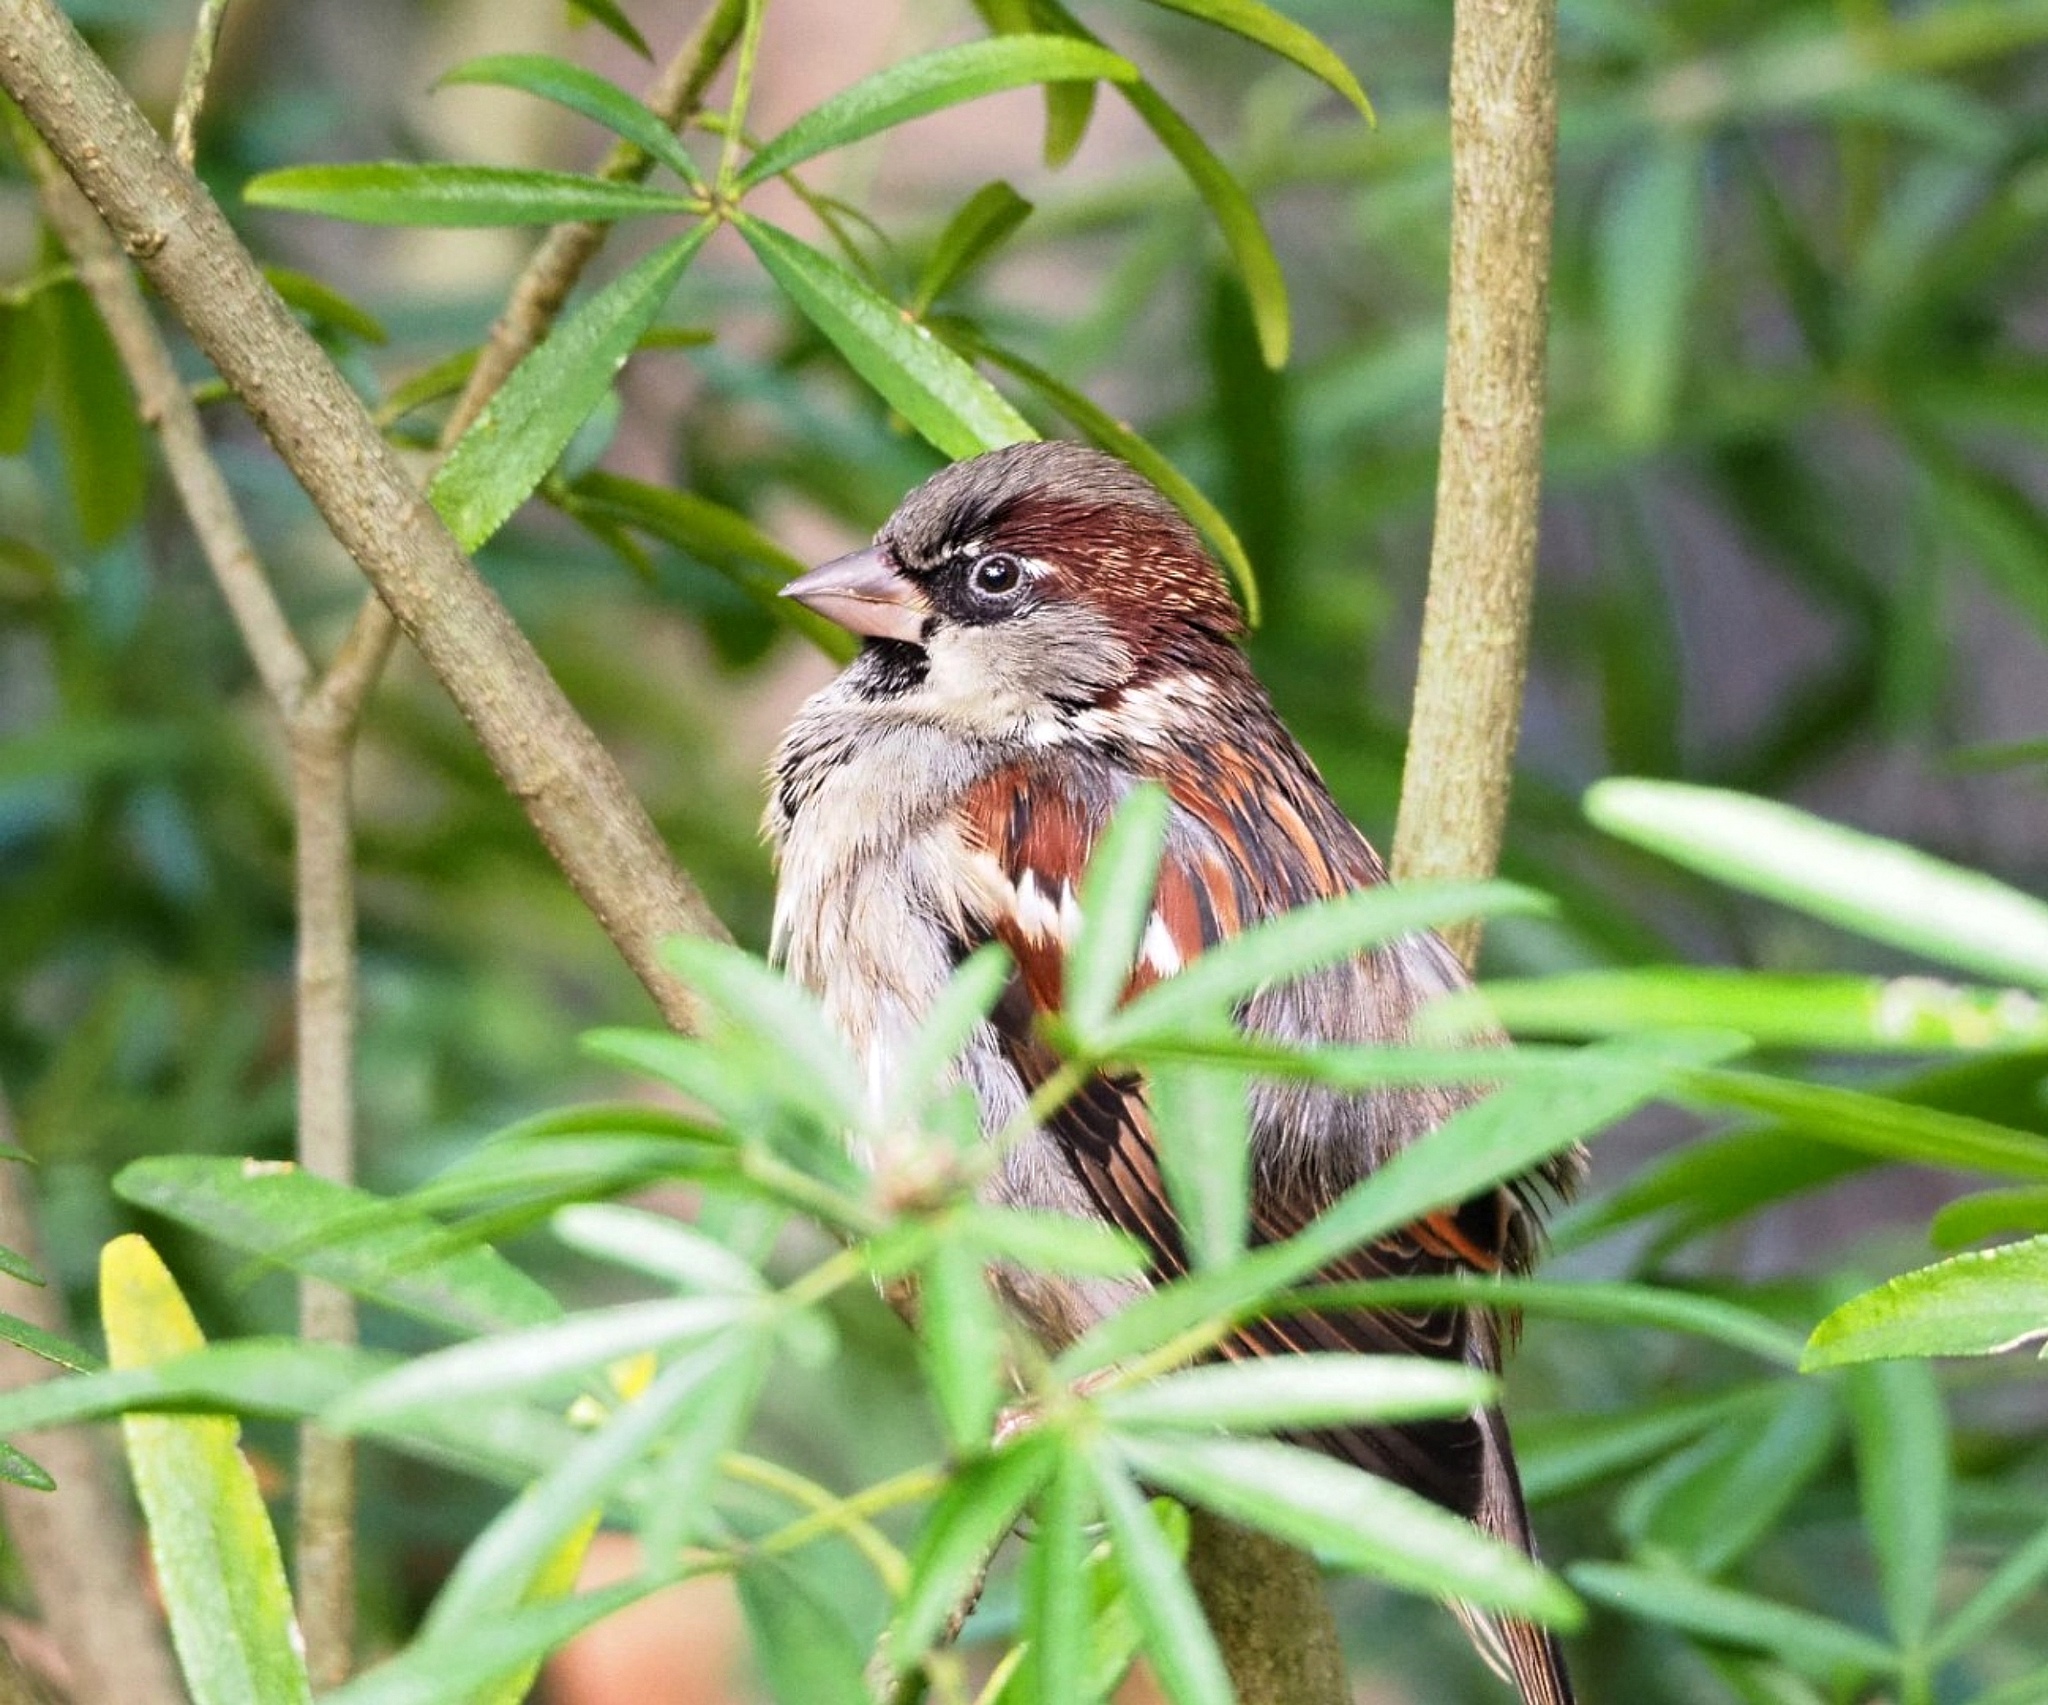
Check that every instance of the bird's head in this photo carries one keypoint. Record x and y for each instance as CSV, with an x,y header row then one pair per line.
x,y
1038,580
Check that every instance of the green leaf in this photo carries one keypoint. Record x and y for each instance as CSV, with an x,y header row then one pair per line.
x,y
106,464
1989,1213
587,93
38,1342
1659,1308
443,378
19,1470
500,1567
657,1245
716,536
954,408
1974,1304
1056,1586
1811,1644
1501,1137
396,192
961,1333
969,1520
217,1562
464,1661
1235,215
1873,1124
1116,902
1649,241
524,428
2011,1584
607,15
1260,23
950,1022
1203,1116
23,344
925,84
1565,1453
1106,432
1299,1391
1777,1010
1711,1504
363,1243
1053,1242
1876,888
807,1654
1183,1651
1307,939
1352,1519
535,1361
754,1001
324,305
984,223
1902,1478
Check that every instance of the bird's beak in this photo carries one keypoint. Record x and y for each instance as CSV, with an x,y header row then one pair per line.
x,y
866,594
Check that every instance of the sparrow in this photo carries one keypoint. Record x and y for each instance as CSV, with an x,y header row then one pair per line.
x,y
1043,631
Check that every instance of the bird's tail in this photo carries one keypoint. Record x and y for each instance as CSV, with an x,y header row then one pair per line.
x,y
1521,1652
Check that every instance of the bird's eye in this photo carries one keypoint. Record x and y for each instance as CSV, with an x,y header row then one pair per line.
x,y
996,576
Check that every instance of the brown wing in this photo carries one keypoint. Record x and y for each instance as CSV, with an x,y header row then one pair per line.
x,y
1226,867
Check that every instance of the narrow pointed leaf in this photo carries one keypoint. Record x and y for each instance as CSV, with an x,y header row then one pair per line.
x,y
394,192
1235,215
1310,938
1177,1638
217,1562
657,1245
1352,1519
961,1333
952,406
970,1519
926,84
529,421
1203,1115
536,1360
1116,900
1056,1587
1812,1644
607,15
807,1653
1309,1390
983,224
1876,1124
353,1239
38,1342
1876,888
1259,23
19,1470
587,93
1975,1304
1902,1479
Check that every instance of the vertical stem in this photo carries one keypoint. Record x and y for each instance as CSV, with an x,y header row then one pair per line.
x,y
322,745
1266,1606
1482,568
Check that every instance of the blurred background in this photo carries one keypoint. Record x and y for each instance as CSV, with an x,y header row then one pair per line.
x,y
1794,542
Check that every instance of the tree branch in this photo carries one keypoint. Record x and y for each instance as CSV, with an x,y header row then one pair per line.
x,y
1482,568
1266,1606
78,1543
568,784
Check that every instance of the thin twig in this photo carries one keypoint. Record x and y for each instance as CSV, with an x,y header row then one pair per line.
x,y
78,1544
1482,569
198,70
164,402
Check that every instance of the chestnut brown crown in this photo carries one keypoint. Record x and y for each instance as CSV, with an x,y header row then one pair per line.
x,y
999,536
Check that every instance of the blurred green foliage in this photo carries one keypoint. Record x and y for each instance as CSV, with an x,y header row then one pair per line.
x,y
1796,543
